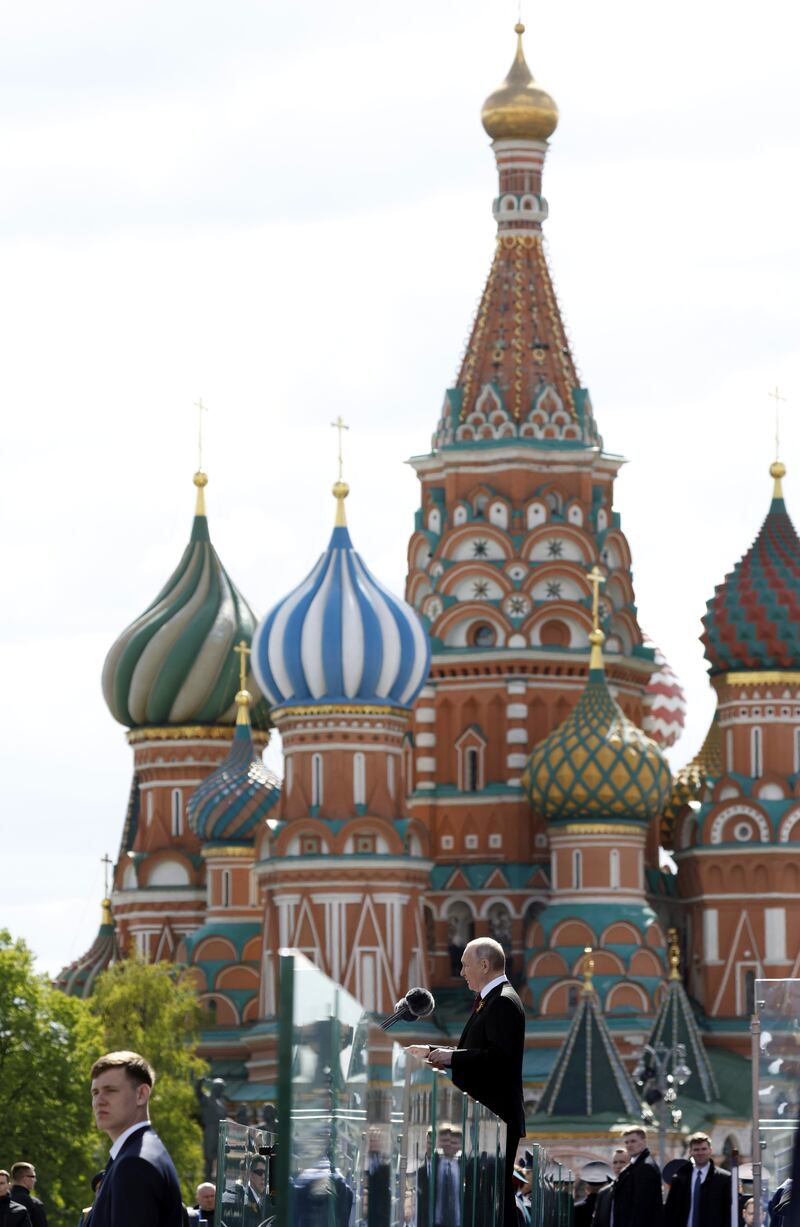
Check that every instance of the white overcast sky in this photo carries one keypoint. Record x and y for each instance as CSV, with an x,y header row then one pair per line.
x,y
286,209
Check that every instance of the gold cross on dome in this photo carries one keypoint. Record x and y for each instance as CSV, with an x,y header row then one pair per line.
x,y
201,409
776,396
340,426
242,651
106,862
596,578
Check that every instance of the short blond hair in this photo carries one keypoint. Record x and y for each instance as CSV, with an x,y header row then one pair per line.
x,y
136,1067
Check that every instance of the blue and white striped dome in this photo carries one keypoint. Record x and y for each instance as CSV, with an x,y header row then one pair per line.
x,y
341,637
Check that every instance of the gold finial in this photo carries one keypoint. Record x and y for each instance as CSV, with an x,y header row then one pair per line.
x,y
588,971
596,638
340,488
243,696
674,955
105,907
200,479
777,470
520,109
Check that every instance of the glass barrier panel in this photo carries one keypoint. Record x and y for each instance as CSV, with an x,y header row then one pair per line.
x,y
777,1007
245,1176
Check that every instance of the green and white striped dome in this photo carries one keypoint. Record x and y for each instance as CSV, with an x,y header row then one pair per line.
x,y
174,664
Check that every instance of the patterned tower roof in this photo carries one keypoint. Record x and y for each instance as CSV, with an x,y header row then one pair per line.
x,y
753,620
78,979
173,664
675,1025
589,1078
597,763
231,804
664,704
518,380
340,636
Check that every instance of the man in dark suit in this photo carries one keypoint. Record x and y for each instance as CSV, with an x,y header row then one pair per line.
x,y
140,1184
605,1196
23,1182
700,1194
636,1200
487,1063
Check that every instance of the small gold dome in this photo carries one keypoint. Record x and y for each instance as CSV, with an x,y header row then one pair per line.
x,y
519,109
777,469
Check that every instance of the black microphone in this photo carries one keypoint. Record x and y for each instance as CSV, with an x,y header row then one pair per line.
x,y
417,1003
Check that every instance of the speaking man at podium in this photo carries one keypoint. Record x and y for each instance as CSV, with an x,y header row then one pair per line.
x,y
487,1063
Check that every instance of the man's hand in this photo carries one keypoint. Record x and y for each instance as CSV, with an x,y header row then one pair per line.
x,y
418,1050
440,1057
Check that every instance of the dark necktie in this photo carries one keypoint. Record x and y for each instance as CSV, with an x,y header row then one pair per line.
x,y
476,1003
447,1194
694,1217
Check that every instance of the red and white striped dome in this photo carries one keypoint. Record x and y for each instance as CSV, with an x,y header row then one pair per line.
x,y
664,703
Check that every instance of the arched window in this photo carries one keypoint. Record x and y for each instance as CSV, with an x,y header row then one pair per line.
x,y
316,779
613,868
729,749
359,779
577,869
553,873
177,812
226,888
756,753
471,765
289,773
390,780
149,806
409,767
797,749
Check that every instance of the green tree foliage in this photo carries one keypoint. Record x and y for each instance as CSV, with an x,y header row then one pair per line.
x,y
152,1009
47,1045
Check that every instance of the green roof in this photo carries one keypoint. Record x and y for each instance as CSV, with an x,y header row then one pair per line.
x,y
589,1077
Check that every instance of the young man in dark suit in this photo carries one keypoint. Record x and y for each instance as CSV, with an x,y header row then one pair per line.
x,y
487,1063
700,1194
636,1199
140,1184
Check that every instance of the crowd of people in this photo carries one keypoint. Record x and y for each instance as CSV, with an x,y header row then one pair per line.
x,y
19,1206
632,1191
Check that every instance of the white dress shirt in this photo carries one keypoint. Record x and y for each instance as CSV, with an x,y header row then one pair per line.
x,y
487,988
123,1137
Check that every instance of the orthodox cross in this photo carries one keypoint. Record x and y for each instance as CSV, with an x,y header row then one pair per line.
x,y
106,862
242,651
596,578
340,426
776,396
201,409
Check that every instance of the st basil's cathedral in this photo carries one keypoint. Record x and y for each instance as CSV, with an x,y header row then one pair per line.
x,y
483,757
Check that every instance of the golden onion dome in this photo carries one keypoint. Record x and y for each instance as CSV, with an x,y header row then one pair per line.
x,y
520,109
597,764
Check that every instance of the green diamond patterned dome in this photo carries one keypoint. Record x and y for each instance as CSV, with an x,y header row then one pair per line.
x,y
597,764
174,664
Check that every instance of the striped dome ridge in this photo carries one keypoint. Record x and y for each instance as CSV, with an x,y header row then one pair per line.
x,y
597,764
174,663
231,804
341,637
753,620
